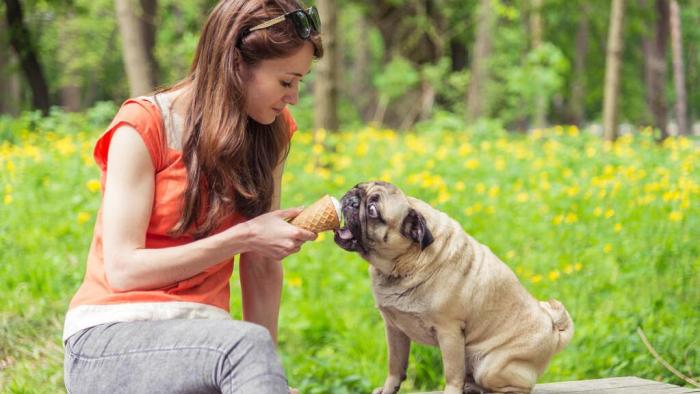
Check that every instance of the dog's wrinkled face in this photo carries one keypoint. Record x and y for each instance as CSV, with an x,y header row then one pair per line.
x,y
380,222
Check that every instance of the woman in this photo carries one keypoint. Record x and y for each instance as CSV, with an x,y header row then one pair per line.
x,y
191,177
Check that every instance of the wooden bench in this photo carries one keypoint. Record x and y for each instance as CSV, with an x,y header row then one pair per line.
x,y
622,385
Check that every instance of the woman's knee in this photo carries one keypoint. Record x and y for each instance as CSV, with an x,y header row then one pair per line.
x,y
252,359
259,340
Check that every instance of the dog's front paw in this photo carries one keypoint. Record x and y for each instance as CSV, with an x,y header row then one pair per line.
x,y
391,386
450,389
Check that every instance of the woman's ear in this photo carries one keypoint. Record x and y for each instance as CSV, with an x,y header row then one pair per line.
x,y
244,71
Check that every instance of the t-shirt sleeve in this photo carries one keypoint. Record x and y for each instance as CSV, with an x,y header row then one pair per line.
x,y
136,114
291,123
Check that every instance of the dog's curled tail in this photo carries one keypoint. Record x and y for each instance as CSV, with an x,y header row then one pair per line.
x,y
561,321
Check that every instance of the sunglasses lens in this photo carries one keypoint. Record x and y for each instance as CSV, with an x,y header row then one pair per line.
x,y
301,24
315,18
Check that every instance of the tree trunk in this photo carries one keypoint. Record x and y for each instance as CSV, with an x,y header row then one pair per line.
x,y
612,70
70,82
578,85
458,54
655,66
540,115
9,81
361,87
137,59
326,84
148,23
24,47
485,21
678,69
414,30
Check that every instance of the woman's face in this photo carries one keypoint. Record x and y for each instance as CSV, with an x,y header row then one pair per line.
x,y
274,83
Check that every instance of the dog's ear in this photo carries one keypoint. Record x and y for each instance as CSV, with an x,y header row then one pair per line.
x,y
414,227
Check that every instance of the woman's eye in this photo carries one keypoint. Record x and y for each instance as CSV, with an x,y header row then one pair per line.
x,y
286,84
372,211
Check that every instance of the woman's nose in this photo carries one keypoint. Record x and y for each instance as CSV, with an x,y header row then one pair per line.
x,y
292,98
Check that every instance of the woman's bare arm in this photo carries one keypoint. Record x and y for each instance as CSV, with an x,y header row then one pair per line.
x,y
126,212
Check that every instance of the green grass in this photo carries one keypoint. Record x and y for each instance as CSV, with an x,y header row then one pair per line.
x,y
610,230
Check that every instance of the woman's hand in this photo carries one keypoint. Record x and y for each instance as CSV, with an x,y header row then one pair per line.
x,y
271,236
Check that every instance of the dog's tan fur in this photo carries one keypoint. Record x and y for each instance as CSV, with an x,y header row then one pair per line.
x,y
457,295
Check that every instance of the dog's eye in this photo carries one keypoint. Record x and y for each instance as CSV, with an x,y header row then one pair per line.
x,y
372,211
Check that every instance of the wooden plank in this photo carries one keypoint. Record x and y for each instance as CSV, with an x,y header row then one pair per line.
x,y
619,385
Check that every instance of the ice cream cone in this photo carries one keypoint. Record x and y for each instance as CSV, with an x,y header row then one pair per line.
x,y
320,216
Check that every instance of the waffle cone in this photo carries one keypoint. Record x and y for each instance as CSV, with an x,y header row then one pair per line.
x,y
320,216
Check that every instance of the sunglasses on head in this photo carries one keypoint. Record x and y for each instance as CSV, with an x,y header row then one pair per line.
x,y
305,22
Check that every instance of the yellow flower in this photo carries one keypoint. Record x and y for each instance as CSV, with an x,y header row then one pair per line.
x,y
572,191
362,149
675,216
598,211
571,217
480,188
494,191
558,219
460,186
8,199
573,131
522,197
553,275
500,164
65,146
471,164
321,236
320,135
618,227
294,281
93,185
10,167
317,149
569,268
442,153
339,180
465,149
83,217
578,266
607,248
609,213
536,278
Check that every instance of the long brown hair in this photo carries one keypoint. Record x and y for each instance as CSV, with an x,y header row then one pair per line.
x,y
227,154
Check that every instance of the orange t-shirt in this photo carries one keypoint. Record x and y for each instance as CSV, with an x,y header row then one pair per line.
x,y
205,295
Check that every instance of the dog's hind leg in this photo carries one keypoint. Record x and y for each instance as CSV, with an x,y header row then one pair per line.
x,y
501,374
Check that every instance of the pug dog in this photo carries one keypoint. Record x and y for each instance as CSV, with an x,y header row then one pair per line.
x,y
436,285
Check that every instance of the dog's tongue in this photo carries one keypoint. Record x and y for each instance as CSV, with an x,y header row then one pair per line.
x,y
344,233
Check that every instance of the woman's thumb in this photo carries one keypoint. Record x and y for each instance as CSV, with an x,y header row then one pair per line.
x,y
289,213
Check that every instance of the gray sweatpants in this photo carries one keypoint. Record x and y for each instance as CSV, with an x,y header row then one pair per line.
x,y
173,356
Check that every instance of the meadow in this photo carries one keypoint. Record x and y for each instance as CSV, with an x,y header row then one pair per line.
x,y
610,229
